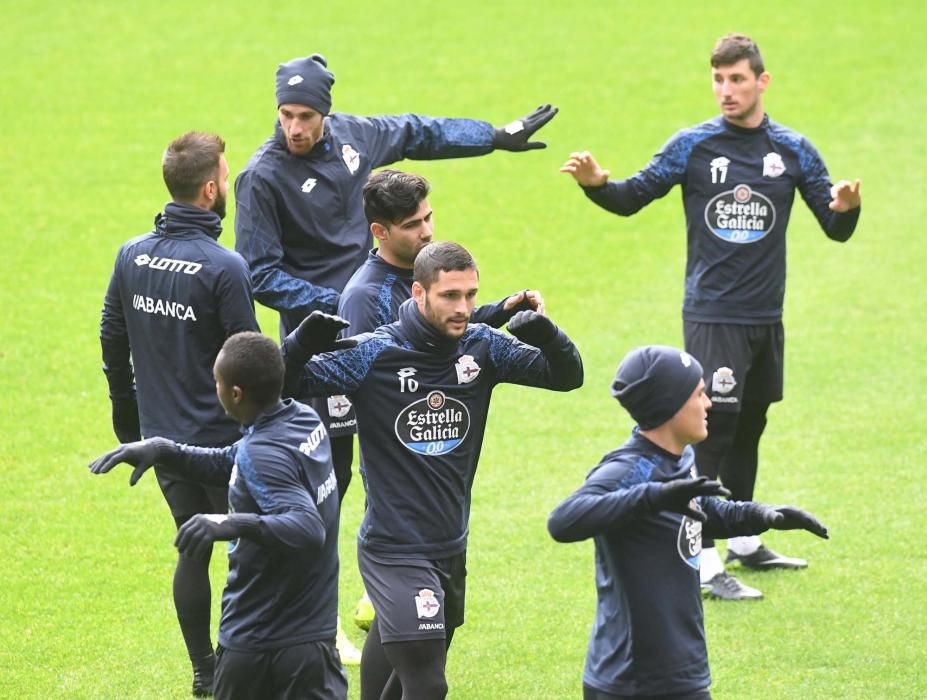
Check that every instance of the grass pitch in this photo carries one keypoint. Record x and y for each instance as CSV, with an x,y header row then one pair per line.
x,y
92,92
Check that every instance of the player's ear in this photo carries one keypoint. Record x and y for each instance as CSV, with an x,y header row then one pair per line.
x,y
379,231
763,81
418,293
237,395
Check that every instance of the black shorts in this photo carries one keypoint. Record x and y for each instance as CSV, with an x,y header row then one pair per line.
x,y
311,670
337,414
187,498
742,363
415,598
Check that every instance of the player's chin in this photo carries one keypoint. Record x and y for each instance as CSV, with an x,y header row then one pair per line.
x,y
455,328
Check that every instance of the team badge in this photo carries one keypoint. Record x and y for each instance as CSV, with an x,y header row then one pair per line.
x,y
338,406
351,157
295,80
773,165
689,540
426,604
723,382
467,369
719,169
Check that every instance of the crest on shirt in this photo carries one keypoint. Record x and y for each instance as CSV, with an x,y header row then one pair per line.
x,y
351,157
467,369
722,381
689,541
773,165
338,406
426,604
719,169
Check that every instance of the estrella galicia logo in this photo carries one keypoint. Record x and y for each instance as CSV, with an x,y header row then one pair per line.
x,y
434,425
689,541
740,215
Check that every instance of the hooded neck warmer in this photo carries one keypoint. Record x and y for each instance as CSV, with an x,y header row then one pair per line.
x,y
423,335
179,217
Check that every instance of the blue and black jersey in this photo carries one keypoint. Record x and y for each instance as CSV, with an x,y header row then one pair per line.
x,y
300,220
282,588
422,403
648,637
174,297
371,299
738,186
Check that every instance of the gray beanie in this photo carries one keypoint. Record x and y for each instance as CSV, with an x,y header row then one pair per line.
x,y
306,81
653,383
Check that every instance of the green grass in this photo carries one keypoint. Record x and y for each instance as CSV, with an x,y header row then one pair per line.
x,y
91,93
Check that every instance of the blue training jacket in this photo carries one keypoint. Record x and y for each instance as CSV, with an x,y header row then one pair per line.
x,y
174,297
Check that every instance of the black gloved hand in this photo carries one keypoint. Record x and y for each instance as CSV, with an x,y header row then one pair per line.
x,y
676,495
195,537
141,455
791,518
532,328
514,136
125,419
318,333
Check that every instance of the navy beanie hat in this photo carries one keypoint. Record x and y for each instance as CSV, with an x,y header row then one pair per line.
x,y
653,382
306,81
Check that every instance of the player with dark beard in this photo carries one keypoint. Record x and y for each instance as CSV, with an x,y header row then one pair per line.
x,y
174,297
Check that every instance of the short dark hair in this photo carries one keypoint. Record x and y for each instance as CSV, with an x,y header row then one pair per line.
x,y
392,195
443,256
189,162
253,362
732,48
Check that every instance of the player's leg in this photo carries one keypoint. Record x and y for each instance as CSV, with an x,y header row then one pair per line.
x,y
242,675
342,460
419,666
725,355
192,590
739,472
342,447
310,671
409,628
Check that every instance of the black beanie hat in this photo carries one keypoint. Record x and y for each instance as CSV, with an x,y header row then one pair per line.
x,y
306,81
653,382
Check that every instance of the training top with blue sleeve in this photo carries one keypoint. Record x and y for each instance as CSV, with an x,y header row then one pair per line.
x,y
738,186
300,220
174,297
422,403
371,299
282,587
648,637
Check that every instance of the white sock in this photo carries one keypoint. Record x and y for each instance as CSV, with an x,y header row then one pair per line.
x,y
744,545
709,564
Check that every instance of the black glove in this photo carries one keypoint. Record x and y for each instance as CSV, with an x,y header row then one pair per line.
x,y
676,495
791,518
195,537
514,136
532,328
125,419
141,455
318,332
